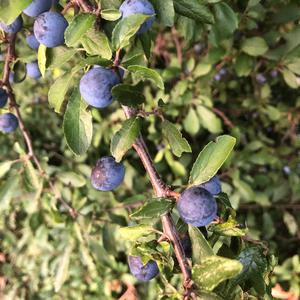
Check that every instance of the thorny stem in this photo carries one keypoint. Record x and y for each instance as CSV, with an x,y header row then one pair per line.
x,y
9,58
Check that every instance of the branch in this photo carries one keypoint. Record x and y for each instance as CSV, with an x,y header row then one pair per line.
x,y
178,46
85,5
160,188
9,58
224,117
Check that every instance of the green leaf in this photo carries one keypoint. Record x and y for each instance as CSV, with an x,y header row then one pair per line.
x,y
194,10
191,122
58,91
153,209
174,137
71,178
230,228
31,177
133,233
7,191
254,267
144,73
294,66
42,59
128,95
126,29
226,21
177,168
62,269
290,78
5,166
78,27
243,65
205,295
124,138
290,222
78,126
19,70
200,246
202,69
58,56
210,159
165,12
10,9
96,43
110,14
209,120
255,46
215,269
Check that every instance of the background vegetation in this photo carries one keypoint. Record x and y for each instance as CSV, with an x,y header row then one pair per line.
x,y
229,69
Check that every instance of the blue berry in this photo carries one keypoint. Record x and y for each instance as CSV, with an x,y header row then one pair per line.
x,y
142,272
14,27
213,185
131,7
95,86
197,206
8,122
49,29
107,174
37,7
33,70
32,42
3,97
261,78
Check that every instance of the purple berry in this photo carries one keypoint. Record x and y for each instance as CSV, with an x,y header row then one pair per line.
x,y
37,7
213,185
33,70
107,174
95,86
260,78
49,29
131,7
14,27
3,97
32,42
197,206
8,122
142,272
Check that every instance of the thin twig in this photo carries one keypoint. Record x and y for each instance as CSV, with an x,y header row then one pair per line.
x,y
85,5
68,6
178,46
224,117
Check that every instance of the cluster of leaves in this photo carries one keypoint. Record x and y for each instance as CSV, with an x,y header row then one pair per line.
x,y
206,68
